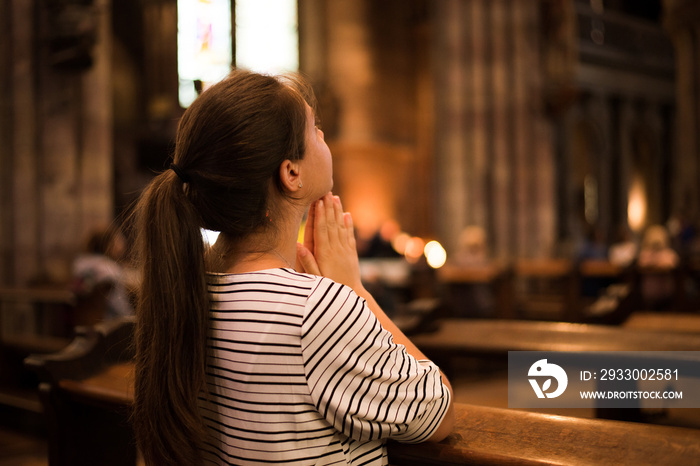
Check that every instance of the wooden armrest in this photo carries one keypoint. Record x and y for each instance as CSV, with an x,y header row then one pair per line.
x,y
93,349
114,386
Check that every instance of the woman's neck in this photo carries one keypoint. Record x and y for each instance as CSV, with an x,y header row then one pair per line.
x,y
273,248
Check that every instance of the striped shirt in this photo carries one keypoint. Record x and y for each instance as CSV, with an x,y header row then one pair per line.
x,y
300,372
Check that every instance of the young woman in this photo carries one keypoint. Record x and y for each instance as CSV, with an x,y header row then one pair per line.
x,y
260,350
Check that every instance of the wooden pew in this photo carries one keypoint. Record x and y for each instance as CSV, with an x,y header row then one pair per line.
x,y
497,277
29,312
85,393
474,337
664,321
546,289
596,275
613,306
31,321
482,435
674,276
600,268
494,436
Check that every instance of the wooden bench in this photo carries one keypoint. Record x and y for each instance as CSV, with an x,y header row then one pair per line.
x,y
478,338
546,289
681,322
31,321
613,306
35,311
558,289
85,391
674,276
495,436
474,337
595,276
90,403
531,288
462,280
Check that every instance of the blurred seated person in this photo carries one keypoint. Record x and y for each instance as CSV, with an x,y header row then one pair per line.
x,y
623,251
384,272
472,249
592,247
656,262
99,279
380,245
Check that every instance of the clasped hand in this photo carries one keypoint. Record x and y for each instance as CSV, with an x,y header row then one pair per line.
x,y
329,247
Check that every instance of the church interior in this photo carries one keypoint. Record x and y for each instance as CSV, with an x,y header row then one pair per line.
x,y
523,175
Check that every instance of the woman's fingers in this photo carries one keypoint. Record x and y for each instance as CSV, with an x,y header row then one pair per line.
x,y
320,225
335,253
340,221
329,212
338,211
306,263
331,224
309,228
350,230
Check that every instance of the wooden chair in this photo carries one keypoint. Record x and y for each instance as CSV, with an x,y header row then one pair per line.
x,y
88,427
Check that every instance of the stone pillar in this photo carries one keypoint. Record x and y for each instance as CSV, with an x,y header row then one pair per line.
x,y
455,111
494,147
499,110
682,20
57,163
160,59
23,214
6,226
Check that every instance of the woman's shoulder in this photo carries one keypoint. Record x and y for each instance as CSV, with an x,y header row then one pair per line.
x,y
314,287
273,277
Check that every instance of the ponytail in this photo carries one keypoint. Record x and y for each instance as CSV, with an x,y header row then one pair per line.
x,y
171,326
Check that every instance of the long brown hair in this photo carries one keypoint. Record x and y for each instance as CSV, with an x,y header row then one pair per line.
x,y
230,144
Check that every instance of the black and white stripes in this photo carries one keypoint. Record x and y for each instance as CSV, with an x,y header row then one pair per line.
x,y
301,372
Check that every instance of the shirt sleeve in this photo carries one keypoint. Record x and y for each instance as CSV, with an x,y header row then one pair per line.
x,y
364,384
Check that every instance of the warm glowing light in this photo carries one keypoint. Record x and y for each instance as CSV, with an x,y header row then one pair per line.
x,y
637,206
435,254
414,249
400,242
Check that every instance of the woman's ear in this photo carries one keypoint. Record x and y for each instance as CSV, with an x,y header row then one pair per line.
x,y
290,175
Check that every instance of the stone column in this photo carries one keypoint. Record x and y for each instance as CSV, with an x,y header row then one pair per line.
x,y
160,59
22,240
5,143
57,163
494,147
455,110
499,110
682,20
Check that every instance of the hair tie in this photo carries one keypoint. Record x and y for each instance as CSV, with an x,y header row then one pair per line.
x,y
180,173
